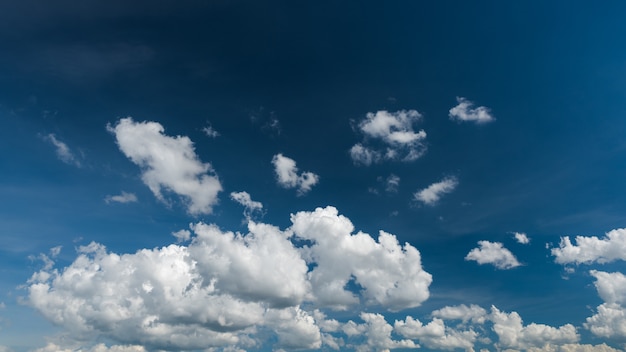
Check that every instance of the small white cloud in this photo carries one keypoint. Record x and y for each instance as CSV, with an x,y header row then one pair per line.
x,y
521,237
462,312
288,177
244,199
168,164
210,132
182,235
392,183
124,197
62,150
493,253
464,112
592,249
431,194
394,130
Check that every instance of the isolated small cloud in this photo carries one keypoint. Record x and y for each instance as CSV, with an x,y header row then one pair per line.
x,y
588,250
464,112
210,132
431,194
392,183
63,152
168,164
244,199
392,137
124,197
288,177
493,253
521,237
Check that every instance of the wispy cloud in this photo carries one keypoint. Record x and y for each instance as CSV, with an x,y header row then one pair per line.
x,y
464,112
124,197
63,152
210,131
431,194
168,163
288,177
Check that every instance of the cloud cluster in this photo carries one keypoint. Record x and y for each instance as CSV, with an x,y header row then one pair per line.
x,y
592,249
431,194
231,289
168,164
464,112
389,136
288,177
493,253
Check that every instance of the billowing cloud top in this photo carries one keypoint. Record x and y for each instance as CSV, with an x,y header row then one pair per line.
x,y
592,249
168,163
394,130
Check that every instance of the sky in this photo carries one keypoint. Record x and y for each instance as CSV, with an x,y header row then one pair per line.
x,y
331,175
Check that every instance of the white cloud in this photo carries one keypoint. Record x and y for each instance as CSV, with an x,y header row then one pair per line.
x,y
435,334
377,332
610,319
52,347
182,235
287,175
244,199
390,275
394,130
592,249
493,253
124,197
168,163
462,312
210,131
62,150
521,238
574,347
464,112
232,289
513,334
431,194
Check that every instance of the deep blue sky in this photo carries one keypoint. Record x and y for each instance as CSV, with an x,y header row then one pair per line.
x,y
299,78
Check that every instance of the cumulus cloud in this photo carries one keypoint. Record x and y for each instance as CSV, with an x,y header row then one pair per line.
x,y
464,112
124,197
521,238
436,334
462,312
592,249
392,136
574,347
232,289
62,150
288,177
493,253
168,163
513,334
431,194
377,333
610,319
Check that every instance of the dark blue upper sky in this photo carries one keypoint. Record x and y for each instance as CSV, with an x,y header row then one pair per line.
x,y
300,79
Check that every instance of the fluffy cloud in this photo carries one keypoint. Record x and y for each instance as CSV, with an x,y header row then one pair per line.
x,y
62,150
377,332
244,199
574,347
513,334
435,334
232,289
493,253
592,249
464,112
610,319
389,274
462,312
521,237
431,194
124,197
287,175
168,163
52,347
394,133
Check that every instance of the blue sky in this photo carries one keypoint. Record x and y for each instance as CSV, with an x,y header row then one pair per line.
x,y
359,176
